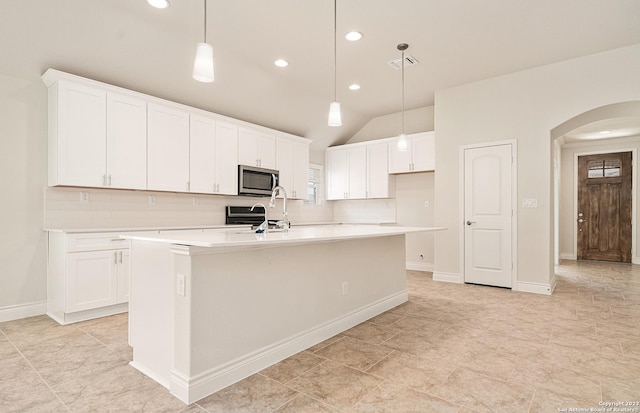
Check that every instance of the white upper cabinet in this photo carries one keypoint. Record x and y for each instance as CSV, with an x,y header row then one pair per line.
x,y
300,170
168,148
256,148
97,138
214,156
337,171
346,172
292,160
419,156
104,136
379,183
77,135
202,148
226,158
358,171
126,142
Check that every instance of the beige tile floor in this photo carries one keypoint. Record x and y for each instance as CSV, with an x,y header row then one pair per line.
x,y
451,348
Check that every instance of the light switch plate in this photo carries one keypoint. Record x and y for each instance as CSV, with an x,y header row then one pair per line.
x,y
180,287
530,203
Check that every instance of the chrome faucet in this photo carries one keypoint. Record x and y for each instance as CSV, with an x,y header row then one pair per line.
x,y
284,223
264,227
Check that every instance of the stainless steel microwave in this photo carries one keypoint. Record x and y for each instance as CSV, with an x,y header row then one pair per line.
x,y
253,181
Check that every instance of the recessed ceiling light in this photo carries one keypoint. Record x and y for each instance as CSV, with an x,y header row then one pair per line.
x,y
281,63
159,4
605,132
354,86
353,36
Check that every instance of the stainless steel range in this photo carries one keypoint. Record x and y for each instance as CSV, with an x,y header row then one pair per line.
x,y
243,215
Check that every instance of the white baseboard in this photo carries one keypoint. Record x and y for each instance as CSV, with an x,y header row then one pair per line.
x,y
16,312
536,288
419,266
568,256
448,277
68,318
194,388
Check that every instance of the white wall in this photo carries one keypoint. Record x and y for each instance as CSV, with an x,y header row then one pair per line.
x,y
568,183
415,120
412,192
524,106
23,166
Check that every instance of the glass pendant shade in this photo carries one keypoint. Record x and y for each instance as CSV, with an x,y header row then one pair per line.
x,y
402,142
159,4
335,118
203,65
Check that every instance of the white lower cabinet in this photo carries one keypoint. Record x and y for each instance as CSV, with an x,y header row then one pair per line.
x,y
87,276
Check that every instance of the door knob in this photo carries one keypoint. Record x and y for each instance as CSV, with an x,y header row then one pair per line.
x,y
580,221
471,222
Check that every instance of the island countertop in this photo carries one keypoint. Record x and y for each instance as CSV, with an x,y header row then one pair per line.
x,y
241,237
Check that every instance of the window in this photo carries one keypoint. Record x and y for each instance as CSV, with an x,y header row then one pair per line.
x,y
315,185
607,168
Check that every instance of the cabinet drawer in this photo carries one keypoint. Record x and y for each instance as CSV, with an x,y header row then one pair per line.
x,y
96,241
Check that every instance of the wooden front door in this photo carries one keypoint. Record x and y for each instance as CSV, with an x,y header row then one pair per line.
x,y
604,207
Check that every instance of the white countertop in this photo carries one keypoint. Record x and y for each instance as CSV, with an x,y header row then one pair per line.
x,y
239,237
139,229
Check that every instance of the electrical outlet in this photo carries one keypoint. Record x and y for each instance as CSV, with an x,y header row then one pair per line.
x,y
152,199
345,288
84,197
180,285
426,204
195,201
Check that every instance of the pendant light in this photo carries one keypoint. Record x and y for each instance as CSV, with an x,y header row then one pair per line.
x,y
203,65
335,118
402,139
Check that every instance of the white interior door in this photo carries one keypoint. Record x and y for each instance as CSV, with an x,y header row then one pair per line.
x,y
488,215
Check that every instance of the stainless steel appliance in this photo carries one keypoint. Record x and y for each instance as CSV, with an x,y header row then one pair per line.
x,y
253,181
243,215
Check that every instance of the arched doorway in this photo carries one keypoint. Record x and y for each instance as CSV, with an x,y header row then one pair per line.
x,y
609,129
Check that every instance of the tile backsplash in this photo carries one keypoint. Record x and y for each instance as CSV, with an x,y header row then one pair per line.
x,y
82,208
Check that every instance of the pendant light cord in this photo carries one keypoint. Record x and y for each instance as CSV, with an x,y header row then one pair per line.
x,y
205,21
335,53
403,91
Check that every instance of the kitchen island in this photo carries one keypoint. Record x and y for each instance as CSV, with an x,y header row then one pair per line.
x,y
208,309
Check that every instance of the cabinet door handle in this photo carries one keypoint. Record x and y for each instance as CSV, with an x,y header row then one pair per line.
x,y
188,186
120,257
109,180
115,257
104,180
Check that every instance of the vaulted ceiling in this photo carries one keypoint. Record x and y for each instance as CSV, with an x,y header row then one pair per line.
x,y
130,44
